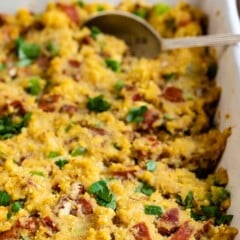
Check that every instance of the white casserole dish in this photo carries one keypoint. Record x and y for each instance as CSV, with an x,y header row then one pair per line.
x,y
223,18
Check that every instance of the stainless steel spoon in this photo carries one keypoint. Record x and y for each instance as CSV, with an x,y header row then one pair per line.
x,y
144,41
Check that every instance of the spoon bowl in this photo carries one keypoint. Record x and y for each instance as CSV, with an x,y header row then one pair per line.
x,y
144,41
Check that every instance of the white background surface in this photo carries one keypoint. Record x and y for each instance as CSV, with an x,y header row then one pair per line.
x,y
223,18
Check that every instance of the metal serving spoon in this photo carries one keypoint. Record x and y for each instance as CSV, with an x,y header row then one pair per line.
x,y
144,41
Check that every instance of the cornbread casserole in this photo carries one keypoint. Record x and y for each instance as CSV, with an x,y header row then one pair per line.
x,y
96,144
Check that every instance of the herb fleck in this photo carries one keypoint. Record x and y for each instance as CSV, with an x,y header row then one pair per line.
x,y
61,163
98,104
102,194
151,165
153,210
136,114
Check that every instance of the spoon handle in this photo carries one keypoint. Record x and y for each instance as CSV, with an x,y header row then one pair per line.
x,y
201,41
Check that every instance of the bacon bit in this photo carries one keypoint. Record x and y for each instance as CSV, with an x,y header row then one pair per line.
x,y
81,189
70,109
3,109
43,62
86,207
47,103
71,140
99,131
183,233
48,222
31,224
149,118
87,40
173,94
18,106
73,69
74,63
56,188
22,158
141,232
63,206
128,174
2,19
6,33
202,232
130,87
70,11
168,223
152,138
184,22
171,216
77,189
165,232
154,141
136,97
38,25
112,236
12,234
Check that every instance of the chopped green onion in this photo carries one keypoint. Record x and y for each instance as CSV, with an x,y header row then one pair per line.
x,y
161,8
69,126
153,210
145,188
136,114
119,85
61,163
80,3
53,154
188,202
98,104
38,16
34,87
52,48
197,216
97,187
170,23
218,195
2,66
113,64
210,211
9,215
95,31
37,173
4,198
224,219
167,117
100,8
223,194
8,127
16,206
151,165
26,52
102,194
169,76
201,173
24,62
141,12
116,146
79,151
212,70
